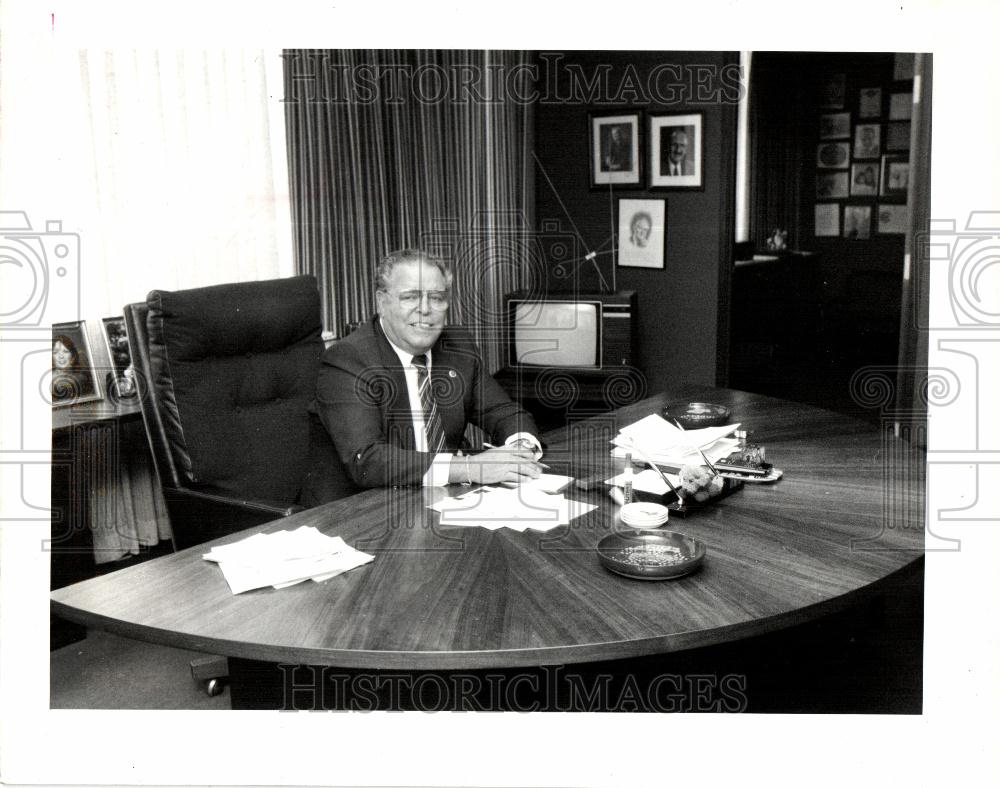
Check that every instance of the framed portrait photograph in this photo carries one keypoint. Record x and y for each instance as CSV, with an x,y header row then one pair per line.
x,y
864,179
867,141
870,103
833,155
73,377
642,233
895,175
826,219
857,221
834,92
897,136
676,151
900,106
892,219
615,150
835,126
120,381
831,185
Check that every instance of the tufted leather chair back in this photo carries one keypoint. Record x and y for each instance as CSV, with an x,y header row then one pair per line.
x,y
230,372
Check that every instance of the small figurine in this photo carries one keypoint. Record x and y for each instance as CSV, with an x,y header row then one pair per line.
x,y
778,240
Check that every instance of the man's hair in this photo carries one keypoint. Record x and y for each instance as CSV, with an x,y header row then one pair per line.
x,y
383,271
640,215
678,132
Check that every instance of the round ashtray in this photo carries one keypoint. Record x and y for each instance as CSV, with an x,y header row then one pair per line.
x,y
694,415
650,555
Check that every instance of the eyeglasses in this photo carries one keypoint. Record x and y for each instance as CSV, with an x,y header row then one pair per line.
x,y
437,299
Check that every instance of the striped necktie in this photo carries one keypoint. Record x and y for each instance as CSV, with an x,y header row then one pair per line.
x,y
432,419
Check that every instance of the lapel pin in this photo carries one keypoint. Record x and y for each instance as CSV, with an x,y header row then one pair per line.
x,y
452,373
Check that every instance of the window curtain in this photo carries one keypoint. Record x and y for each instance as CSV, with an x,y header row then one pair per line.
x,y
170,168
417,160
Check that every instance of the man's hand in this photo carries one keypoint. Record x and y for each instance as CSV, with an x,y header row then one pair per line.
x,y
505,465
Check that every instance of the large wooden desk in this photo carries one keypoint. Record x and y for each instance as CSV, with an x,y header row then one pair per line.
x,y
847,517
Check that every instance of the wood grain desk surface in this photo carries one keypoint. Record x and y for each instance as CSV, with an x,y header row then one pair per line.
x,y
848,513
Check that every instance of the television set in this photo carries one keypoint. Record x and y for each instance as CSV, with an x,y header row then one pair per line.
x,y
572,331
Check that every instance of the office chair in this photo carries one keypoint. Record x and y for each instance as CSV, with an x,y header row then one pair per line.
x,y
226,375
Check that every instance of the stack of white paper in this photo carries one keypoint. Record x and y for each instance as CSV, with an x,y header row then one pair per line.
x,y
517,508
647,481
284,558
659,441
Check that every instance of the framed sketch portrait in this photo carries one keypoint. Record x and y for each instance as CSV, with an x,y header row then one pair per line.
x,y
864,179
615,150
121,379
73,377
642,233
676,151
895,175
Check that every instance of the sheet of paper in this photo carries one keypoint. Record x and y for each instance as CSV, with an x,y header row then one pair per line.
x,y
658,438
549,483
648,481
518,508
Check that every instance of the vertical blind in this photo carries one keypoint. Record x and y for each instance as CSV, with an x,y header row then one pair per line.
x,y
390,149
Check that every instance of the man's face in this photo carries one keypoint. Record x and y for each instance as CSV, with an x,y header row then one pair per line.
x,y
415,307
678,147
640,231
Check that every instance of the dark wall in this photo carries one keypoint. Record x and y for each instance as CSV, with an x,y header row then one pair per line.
x,y
680,321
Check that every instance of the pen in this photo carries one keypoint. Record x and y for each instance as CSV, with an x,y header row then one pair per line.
x,y
708,462
487,445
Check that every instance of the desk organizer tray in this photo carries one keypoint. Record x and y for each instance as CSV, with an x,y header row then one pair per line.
x,y
683,508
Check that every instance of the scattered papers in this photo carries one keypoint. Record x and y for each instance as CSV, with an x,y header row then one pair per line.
x,y
656,439
548,483
647,481
517,508
284,558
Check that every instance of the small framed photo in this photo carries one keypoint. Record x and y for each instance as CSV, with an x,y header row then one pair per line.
x,y
895,175
870,103
676,151
867,141
834,92
121,379
831,185
900,106
827,219
903,66
73,377
897,136
642,233
835,126
892,218
864,179
857,221
833,155
615,151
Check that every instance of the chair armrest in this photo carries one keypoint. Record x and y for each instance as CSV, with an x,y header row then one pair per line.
x,y
262,507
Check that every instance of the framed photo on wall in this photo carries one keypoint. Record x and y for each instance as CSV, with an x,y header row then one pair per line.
x,y
676,151
857,221
615,150
897,136
833,155
864,179
826,219
831,185
870,103
642,233
892,218
73,377
835,126
867,141
895,175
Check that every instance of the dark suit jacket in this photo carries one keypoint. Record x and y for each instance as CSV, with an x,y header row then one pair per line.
x,y
363,402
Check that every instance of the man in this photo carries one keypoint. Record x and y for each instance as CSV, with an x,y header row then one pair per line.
x,y
676,162
640,229
396,395
618,148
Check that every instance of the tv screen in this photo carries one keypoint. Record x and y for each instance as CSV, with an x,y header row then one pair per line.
x,y
556,333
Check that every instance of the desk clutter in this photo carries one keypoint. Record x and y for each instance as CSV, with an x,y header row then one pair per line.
x,y
284,558
537,505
